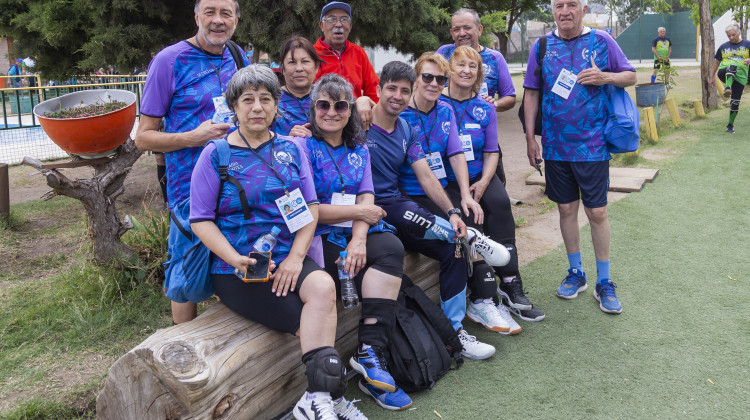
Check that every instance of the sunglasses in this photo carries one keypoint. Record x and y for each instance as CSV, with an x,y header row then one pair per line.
x,y
427,78
321,105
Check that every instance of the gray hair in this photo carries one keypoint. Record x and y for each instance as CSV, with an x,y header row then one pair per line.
x,y
661,28
467,11
236,7
255,76
583,3
733,27
335,87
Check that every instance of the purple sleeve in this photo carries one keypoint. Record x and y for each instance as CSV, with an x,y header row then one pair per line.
x,y
454,144
490,135
532,80
366,187
306,181
442,49
204,187
617,62
504,82
159,87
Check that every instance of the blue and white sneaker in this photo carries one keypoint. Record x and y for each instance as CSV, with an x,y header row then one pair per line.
x,y
605,294
370,363
574,282
395,401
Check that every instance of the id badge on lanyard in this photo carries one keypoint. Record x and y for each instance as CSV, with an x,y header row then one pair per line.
x,y
565,83
294,210
436,164
467,146
339,199
222,113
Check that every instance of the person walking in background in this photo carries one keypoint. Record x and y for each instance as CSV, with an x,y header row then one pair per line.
x,y
662,49
16,70
573,119
732,60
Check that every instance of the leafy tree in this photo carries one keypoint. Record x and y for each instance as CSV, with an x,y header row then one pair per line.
x,y
77,36
513,8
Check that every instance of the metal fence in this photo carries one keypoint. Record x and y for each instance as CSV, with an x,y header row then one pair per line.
x,y
20,133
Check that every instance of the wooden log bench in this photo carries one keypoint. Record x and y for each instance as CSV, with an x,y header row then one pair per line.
x,y
222,366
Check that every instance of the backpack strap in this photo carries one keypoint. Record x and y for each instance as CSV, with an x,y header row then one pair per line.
x,y
404,126
541,51
236,52
225,153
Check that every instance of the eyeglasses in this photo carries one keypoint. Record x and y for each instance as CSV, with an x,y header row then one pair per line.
x,y
427,78
331,20
321,105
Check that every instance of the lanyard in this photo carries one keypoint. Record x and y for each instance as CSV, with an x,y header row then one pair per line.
x,y
458,120
269,164
427,133
572,50
216,70
341,177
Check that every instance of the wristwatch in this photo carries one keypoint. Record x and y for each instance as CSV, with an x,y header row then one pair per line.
x,y
454,210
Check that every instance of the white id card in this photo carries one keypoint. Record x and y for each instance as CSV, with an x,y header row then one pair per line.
x,y
339,199
294,210
222,113
467,146
436,164
564,83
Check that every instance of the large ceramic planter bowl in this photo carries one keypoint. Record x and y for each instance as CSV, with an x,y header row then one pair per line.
x,y
89,137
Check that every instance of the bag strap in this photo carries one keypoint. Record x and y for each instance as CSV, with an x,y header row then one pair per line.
x,y
541,51
404,126
225,153
236,52
602,90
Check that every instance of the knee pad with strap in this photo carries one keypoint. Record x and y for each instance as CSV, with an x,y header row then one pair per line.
x,y
325,371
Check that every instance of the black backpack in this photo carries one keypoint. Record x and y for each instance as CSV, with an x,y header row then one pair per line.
x,y
237,54
423,342
540,52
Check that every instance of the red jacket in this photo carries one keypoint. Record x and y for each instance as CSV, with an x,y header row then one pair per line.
x,y
353,64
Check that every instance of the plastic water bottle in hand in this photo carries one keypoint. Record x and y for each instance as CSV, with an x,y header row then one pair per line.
x,y
265,243
348,290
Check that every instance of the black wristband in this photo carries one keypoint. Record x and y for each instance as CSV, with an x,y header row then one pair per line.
x,y
454,210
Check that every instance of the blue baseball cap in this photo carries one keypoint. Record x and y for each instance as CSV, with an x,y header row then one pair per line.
x,y
19,60
336,5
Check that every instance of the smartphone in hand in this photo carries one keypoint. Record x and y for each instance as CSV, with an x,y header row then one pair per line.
x,y
261,270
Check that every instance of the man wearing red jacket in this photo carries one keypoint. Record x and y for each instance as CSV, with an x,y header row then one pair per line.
x,y
341,56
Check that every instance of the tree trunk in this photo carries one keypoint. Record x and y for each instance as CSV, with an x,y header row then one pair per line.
x,y
98,196
710,97
502,43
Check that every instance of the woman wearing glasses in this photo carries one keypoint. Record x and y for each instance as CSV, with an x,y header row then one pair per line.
x,y
350,221
476,122
299,297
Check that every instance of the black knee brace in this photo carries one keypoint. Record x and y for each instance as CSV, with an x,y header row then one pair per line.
x,y
732,71
379,333
325,371
482,282
510,269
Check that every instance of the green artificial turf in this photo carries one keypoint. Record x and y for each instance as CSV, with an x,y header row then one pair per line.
x,y
678,350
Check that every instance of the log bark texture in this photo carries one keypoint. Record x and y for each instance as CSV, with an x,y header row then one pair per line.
x,y
710,97
98,196
222,366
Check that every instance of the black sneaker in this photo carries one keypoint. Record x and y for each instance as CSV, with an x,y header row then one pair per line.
x,y
730,128
531,315
513,292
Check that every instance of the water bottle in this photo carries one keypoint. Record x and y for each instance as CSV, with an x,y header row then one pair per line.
x,y
264,243
348,290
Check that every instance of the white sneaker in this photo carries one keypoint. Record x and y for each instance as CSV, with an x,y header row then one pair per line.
x,y
346,410
505,314
474,349
315,405
494,253
486,313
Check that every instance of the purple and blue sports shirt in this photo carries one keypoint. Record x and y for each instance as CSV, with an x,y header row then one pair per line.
x,y
478,118
494,68
388,152
292,111
262,188
572,129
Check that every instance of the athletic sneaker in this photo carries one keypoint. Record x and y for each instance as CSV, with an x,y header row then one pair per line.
x,y
730,128
315,406
574,282
531,315
513,292
727,92
494,253
346,410
395,401
485,312
605,294
371,364
505,313
474,349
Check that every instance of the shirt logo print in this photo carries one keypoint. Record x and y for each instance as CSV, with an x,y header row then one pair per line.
x,y
479,113
317,154
283,158
355,160
446,127
235,166
404,145
486,69
585,54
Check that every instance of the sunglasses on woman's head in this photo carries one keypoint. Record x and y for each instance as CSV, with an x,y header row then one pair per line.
x,y
339,106
427,78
